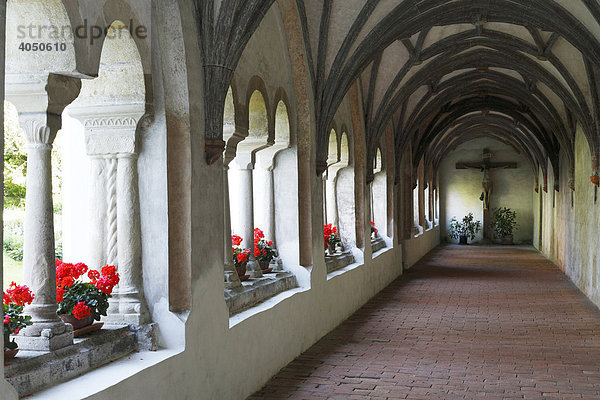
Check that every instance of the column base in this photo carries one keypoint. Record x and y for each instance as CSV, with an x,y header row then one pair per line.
x,y
253,269
232,280
47,341
126,319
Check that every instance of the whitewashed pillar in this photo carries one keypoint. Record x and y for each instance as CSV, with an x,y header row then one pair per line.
x,y
264,201
232,279
115,235
242,212
35,97
48,332
330,183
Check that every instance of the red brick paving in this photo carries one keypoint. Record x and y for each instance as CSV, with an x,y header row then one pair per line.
x,y
465,323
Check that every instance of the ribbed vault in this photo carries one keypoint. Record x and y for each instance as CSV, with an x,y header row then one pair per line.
x,y
435,71
440,72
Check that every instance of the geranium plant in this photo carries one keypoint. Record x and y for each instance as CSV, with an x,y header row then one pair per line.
x,y
240,255
263,249
83,299
374,230
330,236
15,298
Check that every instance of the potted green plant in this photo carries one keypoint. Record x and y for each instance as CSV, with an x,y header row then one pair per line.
x,y
504,222
464,230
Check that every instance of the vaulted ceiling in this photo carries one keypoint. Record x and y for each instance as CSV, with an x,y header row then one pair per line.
x,y
522,71
439,71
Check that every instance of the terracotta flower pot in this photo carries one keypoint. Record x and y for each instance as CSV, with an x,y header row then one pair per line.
x,y
264,266
241,270
331,249
10,354
77,323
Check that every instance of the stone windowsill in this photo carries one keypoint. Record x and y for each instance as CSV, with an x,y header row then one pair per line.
x,y
338,261
256,290
377,243
32,371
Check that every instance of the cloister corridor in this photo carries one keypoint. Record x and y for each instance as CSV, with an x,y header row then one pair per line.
x,y
473,322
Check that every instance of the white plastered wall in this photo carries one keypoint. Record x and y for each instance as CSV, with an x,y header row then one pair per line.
x,y
460,190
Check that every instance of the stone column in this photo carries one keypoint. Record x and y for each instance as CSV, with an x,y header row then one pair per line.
x,y
264,201
331,195
115,238
242,213
132,307
39,271
232,279
40,100
97,241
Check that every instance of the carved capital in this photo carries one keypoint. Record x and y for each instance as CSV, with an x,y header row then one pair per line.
x,y
214,149
38,134
109,130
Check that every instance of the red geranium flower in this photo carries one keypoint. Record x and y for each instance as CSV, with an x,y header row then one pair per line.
x,y
81,311
236,240
18,294
242,257
258,234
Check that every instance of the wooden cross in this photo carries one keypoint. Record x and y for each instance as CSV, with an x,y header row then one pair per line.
x,y
485,166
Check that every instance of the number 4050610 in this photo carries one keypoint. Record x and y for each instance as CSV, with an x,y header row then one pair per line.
x,y
42,46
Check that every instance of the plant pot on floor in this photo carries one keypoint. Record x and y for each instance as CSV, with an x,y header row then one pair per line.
x,y
507,240
463,239
77,323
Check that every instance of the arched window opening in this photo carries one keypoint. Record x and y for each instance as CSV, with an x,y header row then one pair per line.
x,y
417,229
87,192
329,194
337,204
428,217
379,204
255,168
105,158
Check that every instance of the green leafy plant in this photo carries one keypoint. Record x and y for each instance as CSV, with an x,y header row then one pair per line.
x,y
13,245
504,221
467,227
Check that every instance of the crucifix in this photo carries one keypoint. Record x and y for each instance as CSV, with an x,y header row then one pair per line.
x,y
485,166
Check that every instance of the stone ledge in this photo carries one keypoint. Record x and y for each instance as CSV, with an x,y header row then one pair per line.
x,y
33,371
338,261
256,290
377,244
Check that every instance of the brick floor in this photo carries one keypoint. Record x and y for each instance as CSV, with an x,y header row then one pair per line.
x,y
465,323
